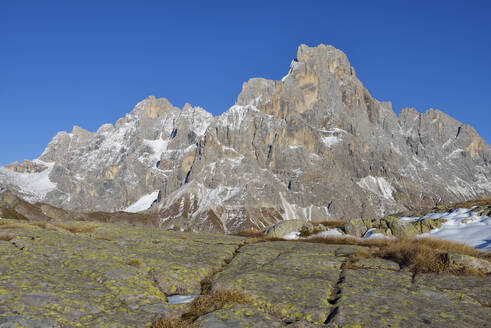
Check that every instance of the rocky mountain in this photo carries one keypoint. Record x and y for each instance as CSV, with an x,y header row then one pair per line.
x,y
315,145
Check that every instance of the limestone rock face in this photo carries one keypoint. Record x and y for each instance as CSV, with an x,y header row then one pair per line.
x,y
313,146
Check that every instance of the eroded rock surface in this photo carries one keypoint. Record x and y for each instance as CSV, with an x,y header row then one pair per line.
x,y
88,274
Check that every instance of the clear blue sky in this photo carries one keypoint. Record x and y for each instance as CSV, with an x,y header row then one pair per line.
x,y
65,63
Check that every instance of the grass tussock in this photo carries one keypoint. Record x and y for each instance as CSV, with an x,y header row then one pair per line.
x,y
215,300
170,323
104,238
39,224
206,282
424,255
135,262
11,226
74,228
250,233
347,240
6,237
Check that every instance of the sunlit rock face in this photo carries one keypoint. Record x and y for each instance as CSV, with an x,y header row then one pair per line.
x,y
312,146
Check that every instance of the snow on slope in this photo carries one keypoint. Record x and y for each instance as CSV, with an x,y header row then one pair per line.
x,y
35,185
157,147
330,140
143,203
377,185
462,226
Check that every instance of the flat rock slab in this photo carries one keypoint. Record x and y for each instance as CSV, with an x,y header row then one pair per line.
x,y
119,275
385,298
291,280
115,275
238,316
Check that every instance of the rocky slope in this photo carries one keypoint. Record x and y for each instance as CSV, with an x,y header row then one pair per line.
x,y
79,274
312,146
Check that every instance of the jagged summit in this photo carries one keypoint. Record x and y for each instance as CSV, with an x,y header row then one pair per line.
x,y
314,145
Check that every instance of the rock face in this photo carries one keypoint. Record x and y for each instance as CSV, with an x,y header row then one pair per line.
x,y
313,146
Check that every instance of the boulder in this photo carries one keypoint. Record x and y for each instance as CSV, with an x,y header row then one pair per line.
x,y
283,228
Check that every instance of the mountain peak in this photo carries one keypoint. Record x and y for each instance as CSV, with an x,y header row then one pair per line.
x,y
313,146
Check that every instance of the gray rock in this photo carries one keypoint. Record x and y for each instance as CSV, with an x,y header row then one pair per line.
x,y
285,227
238,316
471,262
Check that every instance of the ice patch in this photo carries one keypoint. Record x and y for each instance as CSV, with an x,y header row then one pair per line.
x,y
377,185
143,203
180,299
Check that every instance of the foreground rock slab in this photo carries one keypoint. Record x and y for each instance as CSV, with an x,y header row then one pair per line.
x,y
115,275
291,280
80,274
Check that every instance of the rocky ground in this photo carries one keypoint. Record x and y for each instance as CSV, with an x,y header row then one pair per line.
x,y
92,274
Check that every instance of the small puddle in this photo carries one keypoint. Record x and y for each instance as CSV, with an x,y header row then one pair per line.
x,y
179,299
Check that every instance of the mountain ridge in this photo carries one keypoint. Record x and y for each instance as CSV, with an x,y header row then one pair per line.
x,y
314,145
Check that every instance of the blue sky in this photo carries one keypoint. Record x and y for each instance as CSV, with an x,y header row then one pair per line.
x,y
65,63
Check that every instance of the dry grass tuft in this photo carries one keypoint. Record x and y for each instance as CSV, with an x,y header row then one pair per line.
x,y
214,301
170,323
414,255
347,240
6,237
135,262
39,224
206,282
11,226
73,228
423,255
250,233
264,238
103,238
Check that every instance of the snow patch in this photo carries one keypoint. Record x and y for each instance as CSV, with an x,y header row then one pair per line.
x,y
455,153
330,141
329,233
143,203
295,212
294,64
372,234
377,185
462,225
158,147
35,185
292,235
